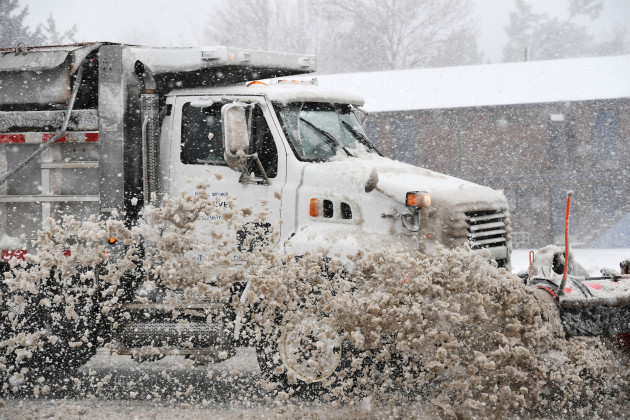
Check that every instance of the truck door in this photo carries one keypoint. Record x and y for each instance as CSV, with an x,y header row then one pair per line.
x,y
246,208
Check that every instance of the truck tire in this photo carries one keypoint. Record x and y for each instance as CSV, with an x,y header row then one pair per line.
x,y
304,355
60,343
76,333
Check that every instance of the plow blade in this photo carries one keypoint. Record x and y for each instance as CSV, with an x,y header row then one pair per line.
x,y
595,317
596,306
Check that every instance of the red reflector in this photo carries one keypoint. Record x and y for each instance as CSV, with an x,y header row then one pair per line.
x,y
12,138
48,136
91,137
7,254
623,340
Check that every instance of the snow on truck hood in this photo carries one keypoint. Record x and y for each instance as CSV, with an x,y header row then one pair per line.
x,y
397,178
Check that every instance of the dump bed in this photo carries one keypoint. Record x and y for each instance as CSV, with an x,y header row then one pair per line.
x,y
94,168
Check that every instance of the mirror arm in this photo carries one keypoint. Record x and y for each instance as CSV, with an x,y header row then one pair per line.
x,y
261,169
245,174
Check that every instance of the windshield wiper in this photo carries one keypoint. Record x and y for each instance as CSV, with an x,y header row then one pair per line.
x,y
329,137
360,137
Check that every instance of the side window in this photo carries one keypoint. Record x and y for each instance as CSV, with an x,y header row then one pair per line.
x,y
202,136
264,145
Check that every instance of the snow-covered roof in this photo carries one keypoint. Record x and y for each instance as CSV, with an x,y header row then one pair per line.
x,y
490,84
281,92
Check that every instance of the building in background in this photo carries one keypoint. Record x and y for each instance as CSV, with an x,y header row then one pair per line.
x,y
532,129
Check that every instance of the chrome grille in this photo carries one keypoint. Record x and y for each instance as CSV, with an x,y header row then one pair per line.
x,y
486,228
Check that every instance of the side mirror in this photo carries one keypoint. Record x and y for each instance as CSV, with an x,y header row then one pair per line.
x,y
371,181
235,134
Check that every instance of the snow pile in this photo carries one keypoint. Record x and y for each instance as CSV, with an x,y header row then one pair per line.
x,y
454,330
396,328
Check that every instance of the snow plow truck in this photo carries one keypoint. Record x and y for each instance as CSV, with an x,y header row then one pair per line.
x,y
104,129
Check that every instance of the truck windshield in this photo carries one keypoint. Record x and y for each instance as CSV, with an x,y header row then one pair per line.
x,y
318,131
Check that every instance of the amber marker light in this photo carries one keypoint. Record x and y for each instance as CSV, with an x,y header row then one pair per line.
x,y
314,209
112,241
418,199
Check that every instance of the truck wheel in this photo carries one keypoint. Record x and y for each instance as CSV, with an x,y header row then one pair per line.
x,y
306,355
63,342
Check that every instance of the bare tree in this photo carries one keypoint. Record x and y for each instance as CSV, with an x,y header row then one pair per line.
x,y
398,34
459,49
264,24
546,38
52,34
12,28
617,41
590,8
349,35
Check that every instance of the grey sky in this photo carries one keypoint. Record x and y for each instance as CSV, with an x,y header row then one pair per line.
x,y
169,22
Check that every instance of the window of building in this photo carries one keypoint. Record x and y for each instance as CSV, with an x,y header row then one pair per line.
x,y
605,134
557,136
606,203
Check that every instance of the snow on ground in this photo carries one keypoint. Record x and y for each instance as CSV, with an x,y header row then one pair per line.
x,y
591,259
216,394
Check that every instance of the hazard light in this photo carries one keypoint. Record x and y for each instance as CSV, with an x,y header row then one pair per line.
x,y
418,199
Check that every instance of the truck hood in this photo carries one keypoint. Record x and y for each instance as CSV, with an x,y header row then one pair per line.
x,y
397,178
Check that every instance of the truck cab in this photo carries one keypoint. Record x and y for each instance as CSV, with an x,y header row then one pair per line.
x,y
308,163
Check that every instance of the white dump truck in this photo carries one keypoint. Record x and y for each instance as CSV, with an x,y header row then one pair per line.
x,y
101,128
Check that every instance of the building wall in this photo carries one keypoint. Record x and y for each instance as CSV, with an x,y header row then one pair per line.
x,y
535,153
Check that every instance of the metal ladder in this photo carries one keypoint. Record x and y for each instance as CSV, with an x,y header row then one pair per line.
x,y
82,129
